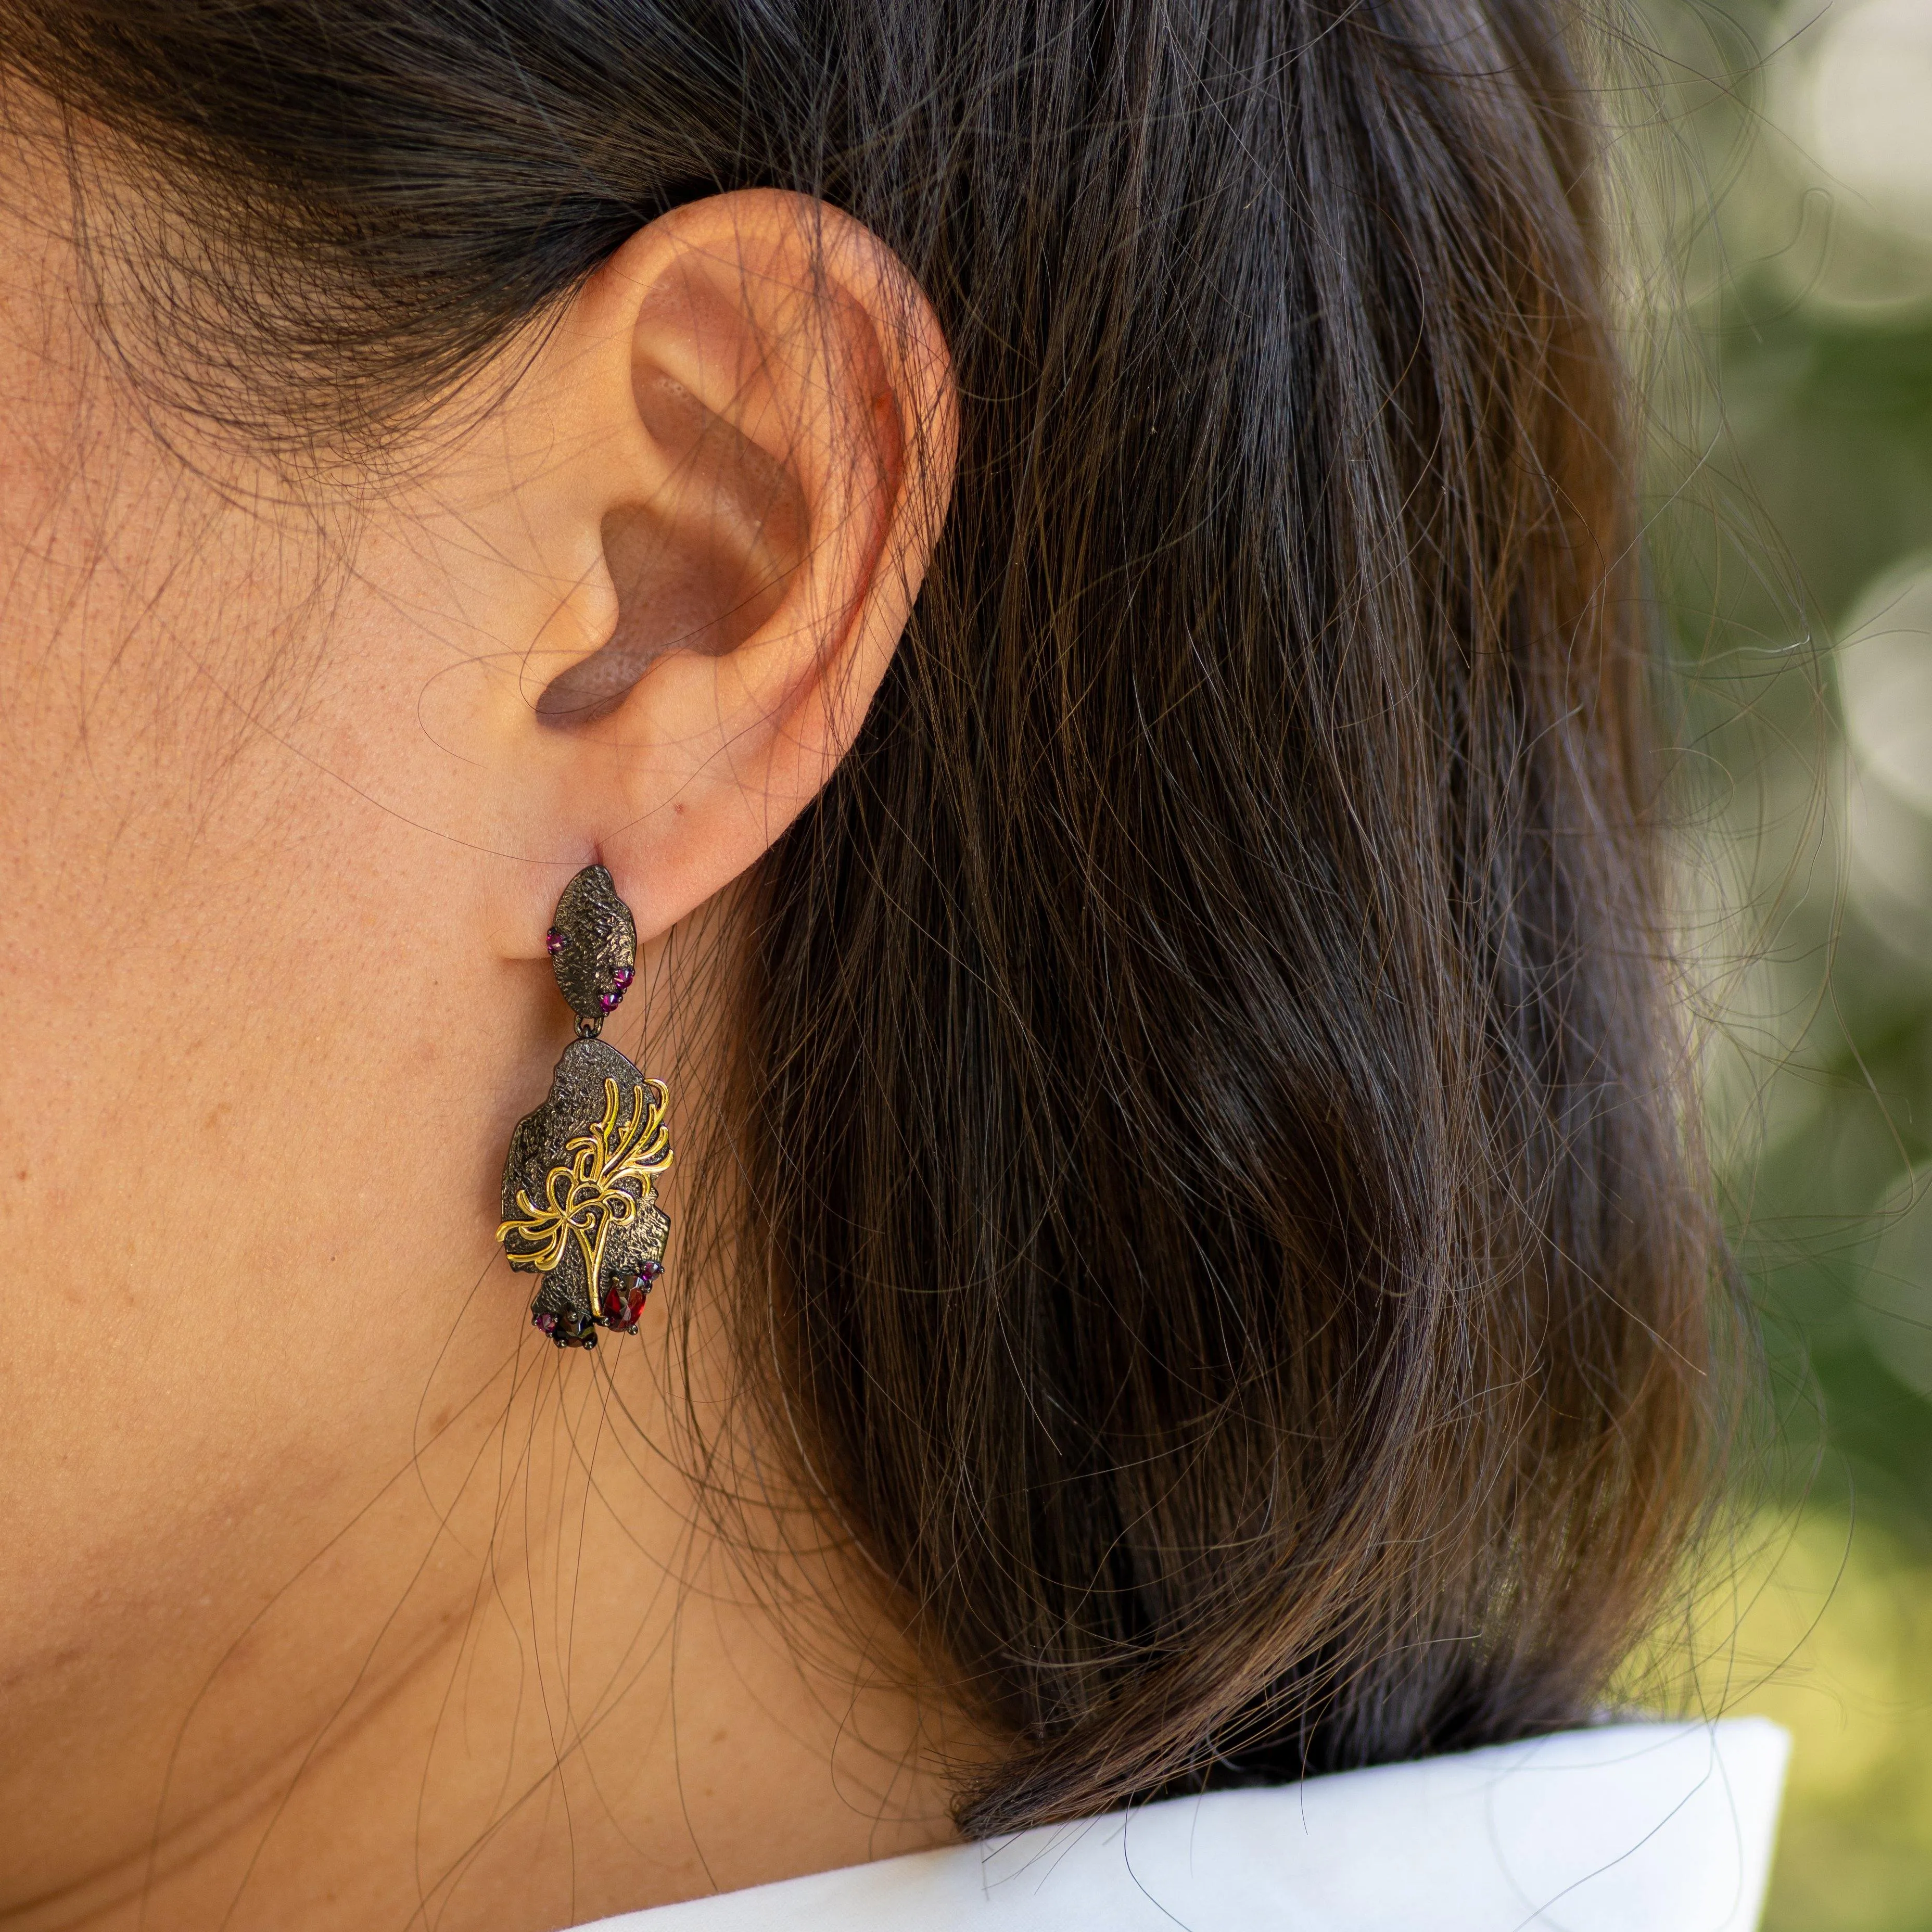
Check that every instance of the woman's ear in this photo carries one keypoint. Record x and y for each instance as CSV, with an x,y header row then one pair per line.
x,y
736,451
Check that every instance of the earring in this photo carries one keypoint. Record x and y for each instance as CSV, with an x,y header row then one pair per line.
x,y
580,1193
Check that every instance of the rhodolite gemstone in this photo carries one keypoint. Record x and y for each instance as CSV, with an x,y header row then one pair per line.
x,y
623,1302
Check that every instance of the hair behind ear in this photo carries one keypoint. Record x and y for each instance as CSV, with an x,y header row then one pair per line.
x,y
1219,1149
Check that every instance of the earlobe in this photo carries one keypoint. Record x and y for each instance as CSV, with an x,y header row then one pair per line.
x,y
764,512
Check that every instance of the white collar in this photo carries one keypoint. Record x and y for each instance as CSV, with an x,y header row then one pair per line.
x,y
1619,1828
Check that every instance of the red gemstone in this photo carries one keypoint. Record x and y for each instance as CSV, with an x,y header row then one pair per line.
x,y
624,1300
554,942
623,975
607,1000
621,1306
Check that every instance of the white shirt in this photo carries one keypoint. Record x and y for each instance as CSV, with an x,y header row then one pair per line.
x,y
1620,1827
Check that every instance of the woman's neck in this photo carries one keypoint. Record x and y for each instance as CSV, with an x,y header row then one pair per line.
x,y
526,1683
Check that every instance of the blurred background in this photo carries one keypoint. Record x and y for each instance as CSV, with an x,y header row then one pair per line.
x,y
1788,344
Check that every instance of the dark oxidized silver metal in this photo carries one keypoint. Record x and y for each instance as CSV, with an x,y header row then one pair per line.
x,y
599,950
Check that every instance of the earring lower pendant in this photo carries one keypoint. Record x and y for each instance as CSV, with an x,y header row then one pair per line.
x,y
580,1193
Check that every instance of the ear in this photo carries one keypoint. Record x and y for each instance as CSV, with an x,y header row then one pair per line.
x,y
747,430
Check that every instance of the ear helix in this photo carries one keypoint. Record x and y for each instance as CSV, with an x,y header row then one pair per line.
x,y
580,1194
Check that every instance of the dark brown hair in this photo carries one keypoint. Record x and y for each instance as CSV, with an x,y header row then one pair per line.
x,y
1214,1111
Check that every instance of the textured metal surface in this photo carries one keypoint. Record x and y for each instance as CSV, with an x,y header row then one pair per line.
x,y
579,1194
593,944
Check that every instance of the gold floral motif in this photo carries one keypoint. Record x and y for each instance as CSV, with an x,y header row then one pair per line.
x,y
590,1193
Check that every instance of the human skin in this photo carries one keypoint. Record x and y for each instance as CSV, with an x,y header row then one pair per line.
x,y
330,1595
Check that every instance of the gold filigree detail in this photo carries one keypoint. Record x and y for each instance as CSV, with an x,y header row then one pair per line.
x,y
590,1194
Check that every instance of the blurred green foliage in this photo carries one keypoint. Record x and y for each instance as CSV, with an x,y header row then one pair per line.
x,y
1793,550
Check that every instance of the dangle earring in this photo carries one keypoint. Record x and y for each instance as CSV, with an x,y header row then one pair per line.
x,y
580,1192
